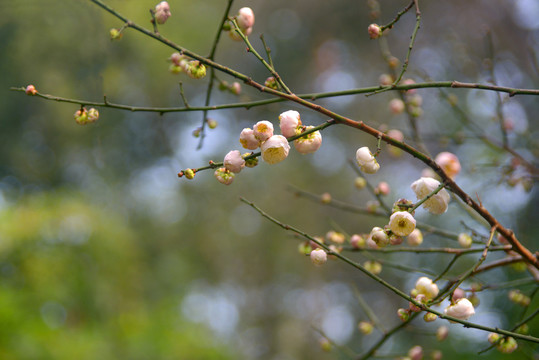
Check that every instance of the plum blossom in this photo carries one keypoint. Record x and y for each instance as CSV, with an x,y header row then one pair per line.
x,y
437,204
415,238
263,130
248,139
275,149
309,143
289,122
402,223
366,161
319,257
461,309
425,286
224,176
234,161
245,18
379,236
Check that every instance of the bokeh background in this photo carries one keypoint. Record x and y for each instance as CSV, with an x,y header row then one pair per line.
x,y
106,254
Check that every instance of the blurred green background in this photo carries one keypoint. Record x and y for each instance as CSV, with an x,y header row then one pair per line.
x,y
106,254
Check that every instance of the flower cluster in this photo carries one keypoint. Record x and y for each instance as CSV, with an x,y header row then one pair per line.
x,y
180,63
83,116
274,148
245,20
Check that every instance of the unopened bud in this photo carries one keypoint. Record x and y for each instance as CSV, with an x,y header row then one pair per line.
x,y
442,332
507,345
115,34
429,317
81,116
271,83
360,183
93,115
196,70
365,327
403,314
212,123
31,90
357,241
374,31
189,173
373,266
325,198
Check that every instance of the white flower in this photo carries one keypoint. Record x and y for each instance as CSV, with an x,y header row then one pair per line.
x,y
275,149
437,204
366,160
289,122
162,12
224,176
462,309
245,18
449,163
234,161
263,130
319,257
309,143
402,223
415,238
379,236
248,140
465,240
426,287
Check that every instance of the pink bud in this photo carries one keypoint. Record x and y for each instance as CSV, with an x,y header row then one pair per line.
x,y
396,106
309,143
289,122
162,12
263,130
248,139
31,90
449,163
374,31
245,18
234,161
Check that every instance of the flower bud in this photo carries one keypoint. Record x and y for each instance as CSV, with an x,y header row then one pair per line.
x,y
374,31
30,90
365,327
360,183
304,248
175,69
366,161
373,266
319,257
245,18
415,238
461,309
162,12
449,163
436,355
474,299
507,345
212,123
396,106
437,204
523,329
335,237
81,116
409,82
395,240
425,286
420,298
275,149
403,314
189,173
289,121
263,130
115,34
519,298
195,69
93,115
248,139
402,223
325,198
234,161
465,240
176,57
196,132
416,353
430,317
372,206
379,236
309,143
224,176
235,88
458,294
271,83
385,79
393,62
382,188
357,241
325,345
250,163
493,338
399,136
442,332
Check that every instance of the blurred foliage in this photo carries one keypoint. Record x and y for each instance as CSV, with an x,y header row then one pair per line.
x,y
105,253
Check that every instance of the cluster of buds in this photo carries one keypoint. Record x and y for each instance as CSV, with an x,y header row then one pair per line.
x,y
437,203
162,12
83,116
180,63
366,161
245,20
519,298
505,344
234,88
